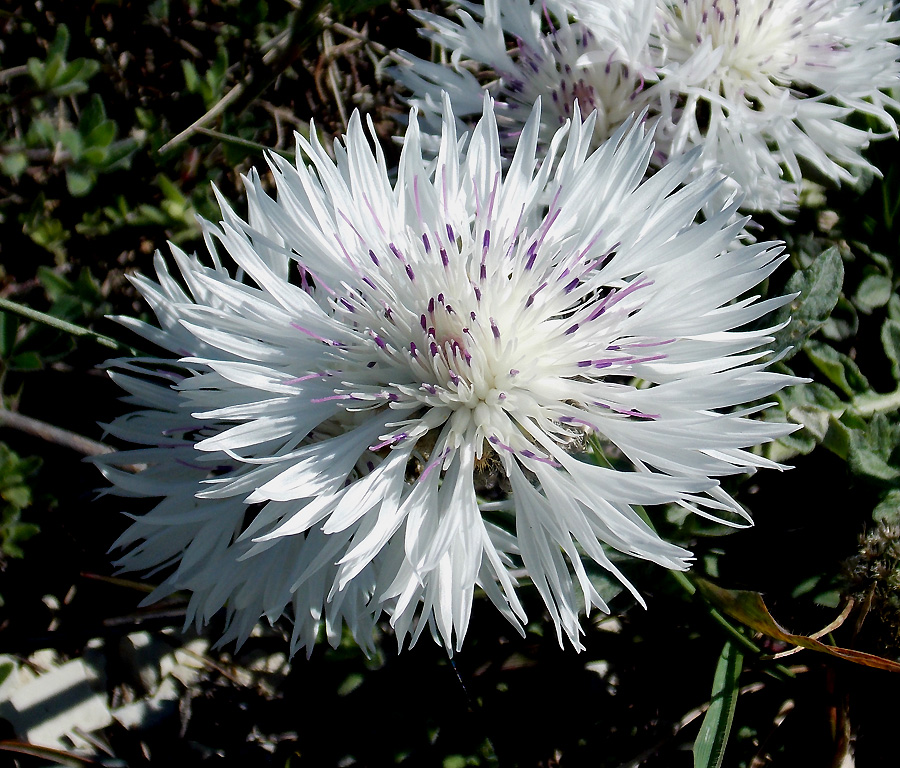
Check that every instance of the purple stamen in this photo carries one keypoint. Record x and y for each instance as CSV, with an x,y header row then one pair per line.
x,y
433,463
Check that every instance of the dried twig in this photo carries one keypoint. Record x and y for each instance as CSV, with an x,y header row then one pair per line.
x,y
51,434
304,26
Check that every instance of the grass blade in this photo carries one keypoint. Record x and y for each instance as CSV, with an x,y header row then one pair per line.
x,y
709,748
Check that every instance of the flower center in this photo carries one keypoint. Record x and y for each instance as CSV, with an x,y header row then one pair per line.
x,y
756,39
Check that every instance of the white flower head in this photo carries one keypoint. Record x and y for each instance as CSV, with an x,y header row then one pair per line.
x,y
523,50
322,432
764,87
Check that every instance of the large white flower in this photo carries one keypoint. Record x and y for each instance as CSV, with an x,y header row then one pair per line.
x,y
392,407
764,87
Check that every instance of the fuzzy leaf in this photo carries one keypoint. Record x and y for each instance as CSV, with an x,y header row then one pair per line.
x,y
890,339
840,369
819,286
888,509
873,292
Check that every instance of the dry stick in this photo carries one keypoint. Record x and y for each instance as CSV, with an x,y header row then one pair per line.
x,y
331,73
303,27
53,434
375,46
59,436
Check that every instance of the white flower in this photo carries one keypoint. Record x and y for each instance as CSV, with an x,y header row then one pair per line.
x,y
517,62
764,87
322,429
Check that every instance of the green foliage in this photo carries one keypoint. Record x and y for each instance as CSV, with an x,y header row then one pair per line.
x,y
211,86
818,287
55,75
15,497
30,346
709,748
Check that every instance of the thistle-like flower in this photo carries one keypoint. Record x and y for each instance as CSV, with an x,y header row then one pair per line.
x,y
520,51
321,430
764,87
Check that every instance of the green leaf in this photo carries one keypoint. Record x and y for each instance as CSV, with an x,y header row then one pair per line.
x,y
840,369
79,183
709,748
810,394
60,44
14,164
9,328
50,71
191,78
890,339
54,284
73,77
6,668
26,361
73,142
871,449
19,496
819,286
118,154
36,70
873,292
888,509
92,116
894,307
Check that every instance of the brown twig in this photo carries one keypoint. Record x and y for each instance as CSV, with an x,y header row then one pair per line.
x,y
304,26
51,434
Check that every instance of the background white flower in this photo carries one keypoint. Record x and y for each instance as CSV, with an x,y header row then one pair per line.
x,y
318,434
520,51
764,87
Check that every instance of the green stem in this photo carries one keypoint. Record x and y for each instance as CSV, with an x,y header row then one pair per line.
x,y
685,583
65,326
239,142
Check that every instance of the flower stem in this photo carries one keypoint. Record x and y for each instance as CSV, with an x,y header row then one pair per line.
x,y
64,325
